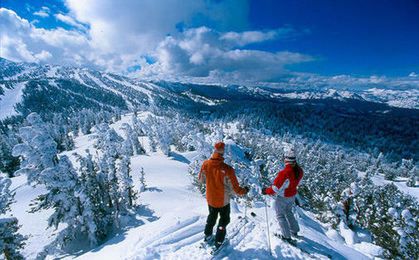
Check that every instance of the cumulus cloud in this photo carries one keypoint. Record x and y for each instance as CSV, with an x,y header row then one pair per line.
x,y
116,38
133,27
43,12
69,20
203,52
194,52
22,41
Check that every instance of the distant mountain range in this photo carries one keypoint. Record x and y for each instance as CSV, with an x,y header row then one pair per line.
x,y
28,87
382,118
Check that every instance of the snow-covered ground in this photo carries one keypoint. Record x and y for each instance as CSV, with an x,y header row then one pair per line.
x,y
178,215
173,215
400,183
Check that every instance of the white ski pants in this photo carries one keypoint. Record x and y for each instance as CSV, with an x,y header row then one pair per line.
x,y
285,216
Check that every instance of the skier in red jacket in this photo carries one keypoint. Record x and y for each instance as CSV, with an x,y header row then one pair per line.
x,y
285,189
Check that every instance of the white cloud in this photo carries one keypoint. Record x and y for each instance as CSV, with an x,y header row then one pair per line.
x,y
308,80
69,20
115,37
43,55
43,12
248,37
22,41
202,52
133,28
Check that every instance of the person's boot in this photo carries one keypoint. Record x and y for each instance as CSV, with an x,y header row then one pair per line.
x,y
296,235
209,239
218,245
286,239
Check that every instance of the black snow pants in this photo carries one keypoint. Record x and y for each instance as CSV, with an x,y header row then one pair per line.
x,y
222,223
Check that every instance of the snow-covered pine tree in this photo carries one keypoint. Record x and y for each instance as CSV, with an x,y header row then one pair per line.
x,y
132,140
413,177
410,170
60,133
114,174
405,225
127,147
71,205
193,169
159,133
142,180
164,137
90,198
126,185
11,242
38,151
138,126
8,163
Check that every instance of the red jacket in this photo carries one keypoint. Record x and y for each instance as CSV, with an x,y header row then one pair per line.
x,y
285,184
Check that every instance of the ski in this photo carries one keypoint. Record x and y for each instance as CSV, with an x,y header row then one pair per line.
x,y
215,251
294,243
207,244
209,247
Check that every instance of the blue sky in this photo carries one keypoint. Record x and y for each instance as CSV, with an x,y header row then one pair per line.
x,y
358,37
262,40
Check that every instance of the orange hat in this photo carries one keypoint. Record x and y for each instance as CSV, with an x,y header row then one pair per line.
x,y
219,146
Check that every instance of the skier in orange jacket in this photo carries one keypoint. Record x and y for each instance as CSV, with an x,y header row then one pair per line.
x,y
220,181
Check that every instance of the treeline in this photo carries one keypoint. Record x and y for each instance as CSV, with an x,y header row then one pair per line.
x,y
364,126
62,127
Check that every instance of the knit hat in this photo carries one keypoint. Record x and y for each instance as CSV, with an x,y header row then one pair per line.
x,y
219,146
289,154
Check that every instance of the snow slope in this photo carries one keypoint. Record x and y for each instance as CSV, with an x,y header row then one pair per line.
x,y
172,218
180,215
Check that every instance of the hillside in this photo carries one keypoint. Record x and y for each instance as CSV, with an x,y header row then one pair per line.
x,y
109,164
172,218
329,114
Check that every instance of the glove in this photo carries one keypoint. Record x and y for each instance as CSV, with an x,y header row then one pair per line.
x,y
246,189
264,191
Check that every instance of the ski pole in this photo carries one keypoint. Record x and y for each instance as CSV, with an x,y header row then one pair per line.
x,y
267,227
245,209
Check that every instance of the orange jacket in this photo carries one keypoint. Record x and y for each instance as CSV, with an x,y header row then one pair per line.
x,y
220,181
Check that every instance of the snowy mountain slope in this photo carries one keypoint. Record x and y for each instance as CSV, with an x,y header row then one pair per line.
x,y
172,218
33,224
181,215
335,115
137,93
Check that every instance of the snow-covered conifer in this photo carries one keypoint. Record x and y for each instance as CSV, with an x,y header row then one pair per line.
x,y
131,141
142,180
11,242
38,151
126,184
